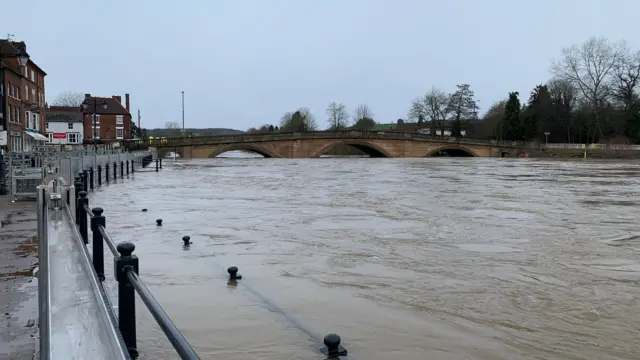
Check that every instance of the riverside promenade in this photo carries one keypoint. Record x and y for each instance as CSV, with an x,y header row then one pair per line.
x,y
18,286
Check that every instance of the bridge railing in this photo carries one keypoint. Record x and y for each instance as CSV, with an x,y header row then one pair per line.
x,y
125,270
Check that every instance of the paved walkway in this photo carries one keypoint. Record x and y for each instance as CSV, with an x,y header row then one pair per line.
x,y
18,287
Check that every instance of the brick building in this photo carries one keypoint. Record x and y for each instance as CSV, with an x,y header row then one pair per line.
x,y
113,123
22,111
64,126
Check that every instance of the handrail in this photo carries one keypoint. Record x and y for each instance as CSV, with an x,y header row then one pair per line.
x,y
168,327
126,265
107,239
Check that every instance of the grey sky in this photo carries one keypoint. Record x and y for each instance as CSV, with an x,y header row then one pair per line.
x,y
245,63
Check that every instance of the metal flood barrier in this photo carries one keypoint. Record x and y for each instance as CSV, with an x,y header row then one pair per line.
x,y
25,182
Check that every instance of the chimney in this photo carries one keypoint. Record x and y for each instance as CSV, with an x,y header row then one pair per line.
x,y
117,98
87,96
126,102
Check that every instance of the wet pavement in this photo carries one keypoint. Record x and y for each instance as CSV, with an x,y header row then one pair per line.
x,y
18,287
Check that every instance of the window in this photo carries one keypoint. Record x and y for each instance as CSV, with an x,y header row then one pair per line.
x,y
33,95
119,119
119,133
96,132
10,113
49,135
35,118
72,138
27,116
70,126
33,76
47,125
26,92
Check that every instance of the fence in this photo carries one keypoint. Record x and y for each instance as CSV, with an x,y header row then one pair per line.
x,y
61,195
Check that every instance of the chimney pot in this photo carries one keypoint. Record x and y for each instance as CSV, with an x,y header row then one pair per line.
x,y
87,95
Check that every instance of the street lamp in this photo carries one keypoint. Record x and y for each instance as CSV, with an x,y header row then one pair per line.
x,y
546,137
84,107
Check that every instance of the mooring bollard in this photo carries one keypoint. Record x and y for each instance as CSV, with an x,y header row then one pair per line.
x,y
332,342
115,170
160,163
121,169
98,220
106,173
91,177
99,175
132,166
85,180
159,222
82,216
126,295
127,166
186,240
157,165
233,273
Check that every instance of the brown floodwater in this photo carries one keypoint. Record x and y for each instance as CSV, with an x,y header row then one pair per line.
x,y
436,258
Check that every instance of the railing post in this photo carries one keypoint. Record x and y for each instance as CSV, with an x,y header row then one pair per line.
x,y
98,220
82,216
157,165
115,170
126,295
127,166
132,166
160,163
106,172
99,175
85,180
121,169
77,188
91,178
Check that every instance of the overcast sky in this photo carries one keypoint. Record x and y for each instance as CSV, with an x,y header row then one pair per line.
x,y
245,63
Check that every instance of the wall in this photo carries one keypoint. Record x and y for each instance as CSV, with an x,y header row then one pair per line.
x,y
63,128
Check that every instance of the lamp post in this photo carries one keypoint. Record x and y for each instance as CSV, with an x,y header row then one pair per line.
x,y
546,137
85,105
23,59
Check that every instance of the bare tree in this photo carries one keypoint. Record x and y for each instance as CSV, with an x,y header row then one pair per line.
x,y
564,97
172,125
436,108
69,99
338,116
361,112
589,68
626,82
299,121
462,106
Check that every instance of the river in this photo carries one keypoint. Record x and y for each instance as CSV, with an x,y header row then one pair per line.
x,y
437,258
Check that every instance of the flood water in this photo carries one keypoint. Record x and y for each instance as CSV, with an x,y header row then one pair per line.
x,y
438,258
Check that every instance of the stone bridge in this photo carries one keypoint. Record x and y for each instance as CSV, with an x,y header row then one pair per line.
x,y
315,144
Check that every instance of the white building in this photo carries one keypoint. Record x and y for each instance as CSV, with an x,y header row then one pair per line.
x,y
65,128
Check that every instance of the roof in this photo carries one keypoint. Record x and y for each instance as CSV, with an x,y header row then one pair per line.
x,y
114,107
8,46
63,114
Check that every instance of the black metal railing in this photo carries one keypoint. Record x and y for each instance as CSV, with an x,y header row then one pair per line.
x,y
125,266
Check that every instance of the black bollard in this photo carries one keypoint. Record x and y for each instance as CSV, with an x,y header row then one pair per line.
x,y
132,167
233,273
160,163
127,295
144,210
159,222
157,165
85,180
91,177
334,349
99,175
121,169
127,166
98,220
186,240
82,216
106,173
115,170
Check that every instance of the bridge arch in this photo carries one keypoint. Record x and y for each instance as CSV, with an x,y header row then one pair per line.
x,y
453,150
247,147
367,147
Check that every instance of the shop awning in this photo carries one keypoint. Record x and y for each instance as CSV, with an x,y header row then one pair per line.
x,y
37,136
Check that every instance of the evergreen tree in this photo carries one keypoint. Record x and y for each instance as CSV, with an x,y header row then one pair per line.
x,y
511,122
